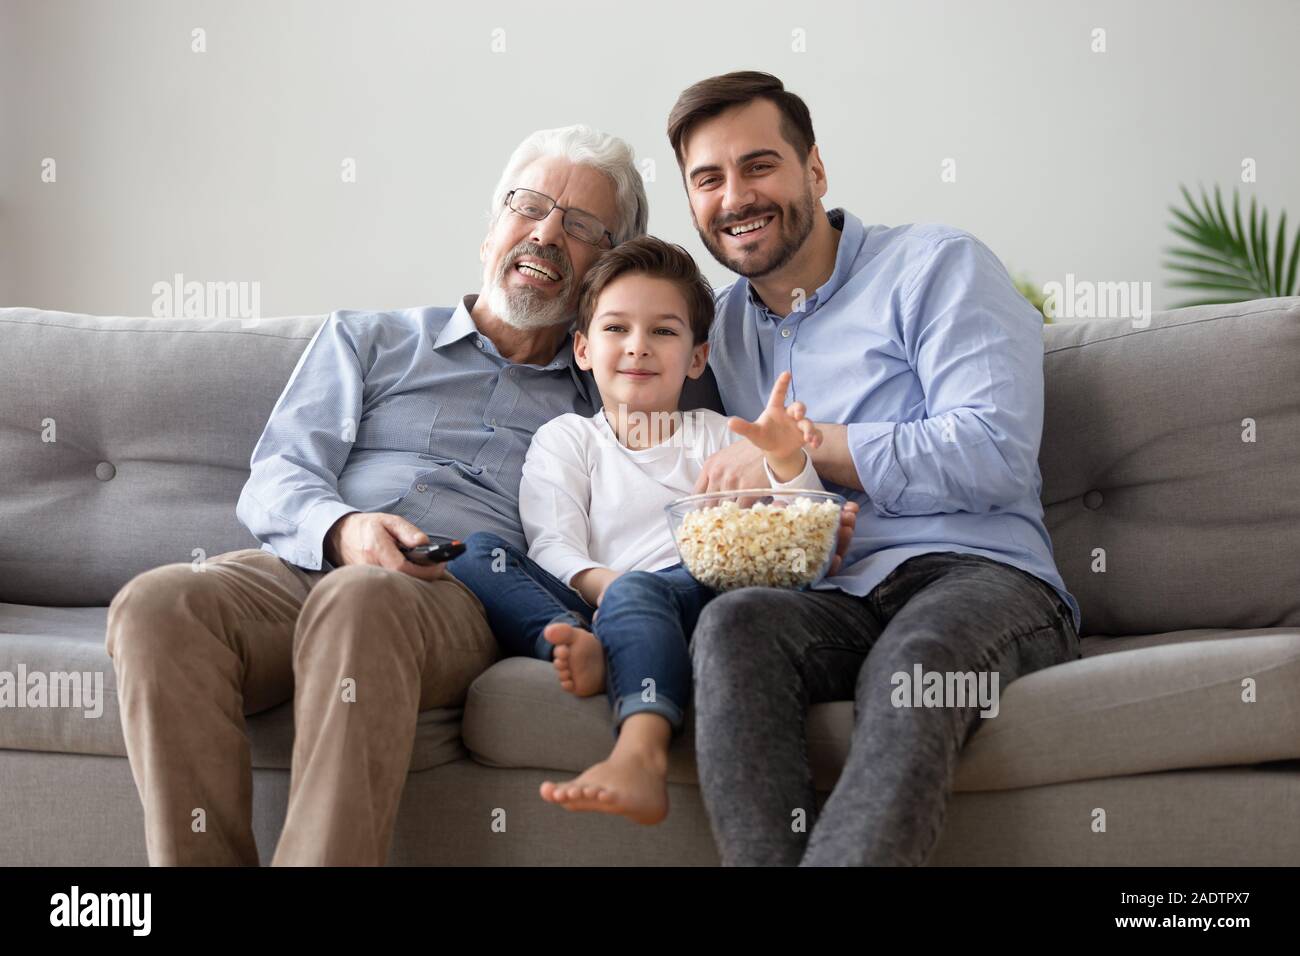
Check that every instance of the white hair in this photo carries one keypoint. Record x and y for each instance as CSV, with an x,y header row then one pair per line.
x,y
589,147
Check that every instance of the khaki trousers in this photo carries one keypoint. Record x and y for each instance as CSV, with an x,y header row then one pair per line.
x,y
361,650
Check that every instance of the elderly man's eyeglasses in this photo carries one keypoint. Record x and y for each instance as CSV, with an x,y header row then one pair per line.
x,y
578,224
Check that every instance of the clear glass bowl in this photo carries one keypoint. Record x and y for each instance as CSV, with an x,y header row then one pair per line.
x,y
756,537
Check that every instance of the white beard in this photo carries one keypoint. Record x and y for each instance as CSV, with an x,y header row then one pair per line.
x,y
525,311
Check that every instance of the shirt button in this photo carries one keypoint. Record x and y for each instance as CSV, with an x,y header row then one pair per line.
x,y
785,333
494,423
478,342
421,487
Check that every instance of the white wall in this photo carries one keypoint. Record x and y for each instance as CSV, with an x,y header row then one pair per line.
x,y
226,165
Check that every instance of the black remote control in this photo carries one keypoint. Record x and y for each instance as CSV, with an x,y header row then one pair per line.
x,y
433,553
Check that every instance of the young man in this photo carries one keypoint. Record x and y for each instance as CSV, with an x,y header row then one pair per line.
x,y
922,367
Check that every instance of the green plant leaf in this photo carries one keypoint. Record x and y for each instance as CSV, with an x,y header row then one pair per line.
x,y
1212,286
1194,224
1195,237
1261,252
1253,235
1230,278
1217,259
1289,285
1223,218
1279,255
1227,254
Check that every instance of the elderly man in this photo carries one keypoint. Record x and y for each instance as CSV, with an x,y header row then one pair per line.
x,y
392,426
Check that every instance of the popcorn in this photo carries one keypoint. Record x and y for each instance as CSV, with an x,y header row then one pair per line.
x,y
725,546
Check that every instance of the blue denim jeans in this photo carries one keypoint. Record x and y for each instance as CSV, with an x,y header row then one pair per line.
x,y
762,656
644,622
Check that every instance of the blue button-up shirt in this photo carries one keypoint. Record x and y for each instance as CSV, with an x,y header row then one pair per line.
x,y
414,413
921,345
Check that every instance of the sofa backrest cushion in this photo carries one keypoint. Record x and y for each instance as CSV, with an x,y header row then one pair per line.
x,y
1172,453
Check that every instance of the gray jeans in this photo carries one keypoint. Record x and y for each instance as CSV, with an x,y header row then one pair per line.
x,y
761,656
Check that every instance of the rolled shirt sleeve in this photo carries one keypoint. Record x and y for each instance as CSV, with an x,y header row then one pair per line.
x,y
291,498
976,346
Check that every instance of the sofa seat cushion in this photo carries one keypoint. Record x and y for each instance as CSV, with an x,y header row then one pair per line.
x,y
71,639
1132,705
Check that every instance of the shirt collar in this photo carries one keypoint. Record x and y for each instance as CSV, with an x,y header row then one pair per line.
x,y
461,324
852,234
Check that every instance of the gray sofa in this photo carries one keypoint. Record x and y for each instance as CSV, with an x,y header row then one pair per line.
x,y
1143,752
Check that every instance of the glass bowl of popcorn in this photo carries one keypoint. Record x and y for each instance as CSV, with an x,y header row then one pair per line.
x,y
756,537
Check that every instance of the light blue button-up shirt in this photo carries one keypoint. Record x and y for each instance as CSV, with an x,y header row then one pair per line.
x,y
411,412
921,345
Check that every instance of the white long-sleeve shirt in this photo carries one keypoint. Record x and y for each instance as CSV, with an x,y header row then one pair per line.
x,y
586,500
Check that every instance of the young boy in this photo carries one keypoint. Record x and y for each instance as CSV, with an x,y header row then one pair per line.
x,y
601,591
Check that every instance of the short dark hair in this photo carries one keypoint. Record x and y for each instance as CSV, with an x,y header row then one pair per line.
x,y
710,97
649,256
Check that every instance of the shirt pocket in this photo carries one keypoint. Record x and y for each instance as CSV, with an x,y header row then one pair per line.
x,y
404,423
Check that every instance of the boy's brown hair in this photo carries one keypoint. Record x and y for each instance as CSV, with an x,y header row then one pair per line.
x,y
656,259
710,97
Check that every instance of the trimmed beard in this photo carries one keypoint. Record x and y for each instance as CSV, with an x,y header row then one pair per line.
x,y
795,229
525,310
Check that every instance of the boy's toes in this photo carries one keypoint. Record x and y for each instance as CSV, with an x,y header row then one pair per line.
x,y
569,793
563,793
627,787
559,634
556,792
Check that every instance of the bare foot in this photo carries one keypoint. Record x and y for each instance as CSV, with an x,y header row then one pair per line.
x,y
631,785
579,659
